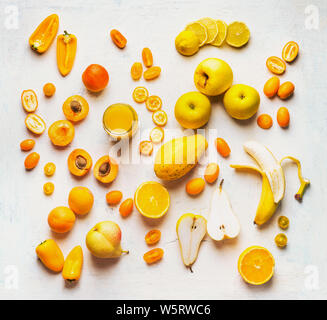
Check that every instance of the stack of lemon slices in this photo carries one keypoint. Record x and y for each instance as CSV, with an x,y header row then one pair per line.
x,y
215,33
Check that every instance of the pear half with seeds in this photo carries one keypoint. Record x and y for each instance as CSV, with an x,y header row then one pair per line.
x,y
222,222
190,229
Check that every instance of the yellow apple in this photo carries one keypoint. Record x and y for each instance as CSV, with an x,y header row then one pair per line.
x,y
213,77
103,240
192,110
241,101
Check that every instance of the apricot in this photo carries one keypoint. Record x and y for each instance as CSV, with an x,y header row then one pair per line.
x,y
106,169
79,162
75,108
95,77
61,219
80,200
61,133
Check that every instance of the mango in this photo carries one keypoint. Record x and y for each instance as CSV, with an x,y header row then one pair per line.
x,y
179,156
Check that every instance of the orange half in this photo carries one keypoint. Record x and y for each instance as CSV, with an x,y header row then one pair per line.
x,y
152,199
256,265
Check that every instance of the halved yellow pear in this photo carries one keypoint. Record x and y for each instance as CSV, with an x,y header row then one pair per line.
x,y
222,222
190,229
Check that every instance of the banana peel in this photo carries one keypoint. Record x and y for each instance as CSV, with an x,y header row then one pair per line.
x,y
273,179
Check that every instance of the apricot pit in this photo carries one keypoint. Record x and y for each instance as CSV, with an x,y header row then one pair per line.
x,y
106,169
79,162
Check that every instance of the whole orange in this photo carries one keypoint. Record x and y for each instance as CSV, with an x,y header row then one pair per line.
x,y
95,77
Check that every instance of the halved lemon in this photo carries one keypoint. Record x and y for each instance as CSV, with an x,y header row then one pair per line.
x,y
200,31
212,29
222,33
152,199
238,34
256,265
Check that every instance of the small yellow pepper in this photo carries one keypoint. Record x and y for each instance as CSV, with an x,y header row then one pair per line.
x,y
73,264
66,52
50,254
44,34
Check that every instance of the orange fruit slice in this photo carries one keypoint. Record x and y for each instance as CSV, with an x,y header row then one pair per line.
x,y
140,94
160,118
146,148
29,100
256,265
157,135
152,199
153,103
290,51
276,65
35,123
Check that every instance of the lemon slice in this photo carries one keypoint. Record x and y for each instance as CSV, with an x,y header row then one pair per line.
x,y
238,34
152,199
222,33
212,28
200,31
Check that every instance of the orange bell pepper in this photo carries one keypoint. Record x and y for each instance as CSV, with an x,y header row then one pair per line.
x,y
66,52
73,264
50,254
44,34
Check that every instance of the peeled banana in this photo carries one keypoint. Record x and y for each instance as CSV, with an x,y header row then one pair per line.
x,y
273,179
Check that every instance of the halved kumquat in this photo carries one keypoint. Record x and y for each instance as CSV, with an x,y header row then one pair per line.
x,y
29,100
290,51
35,123
276,65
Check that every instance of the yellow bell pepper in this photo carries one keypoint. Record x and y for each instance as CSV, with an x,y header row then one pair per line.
x,y
42,37
66,51
50,255
73,264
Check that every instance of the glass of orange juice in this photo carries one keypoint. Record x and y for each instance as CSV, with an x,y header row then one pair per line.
x,y
120,121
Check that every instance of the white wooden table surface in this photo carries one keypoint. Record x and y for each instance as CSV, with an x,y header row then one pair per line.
x,y
300,268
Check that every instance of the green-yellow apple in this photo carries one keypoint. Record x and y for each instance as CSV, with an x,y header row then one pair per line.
x,y
241,101
213,77
192,110
103,240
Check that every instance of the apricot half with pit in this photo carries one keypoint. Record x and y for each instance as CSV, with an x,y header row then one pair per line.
x,y
106,169
79,162
75,108
61,133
